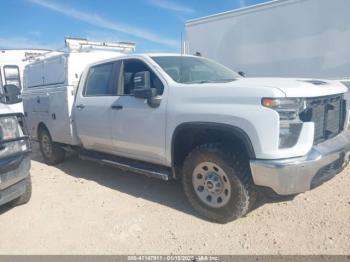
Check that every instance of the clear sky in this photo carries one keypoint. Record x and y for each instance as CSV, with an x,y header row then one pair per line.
x,y
154,25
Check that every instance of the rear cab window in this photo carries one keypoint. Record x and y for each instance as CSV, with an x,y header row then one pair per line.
x,y
102,80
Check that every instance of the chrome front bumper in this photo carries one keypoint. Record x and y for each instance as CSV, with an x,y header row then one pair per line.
x,y
296,175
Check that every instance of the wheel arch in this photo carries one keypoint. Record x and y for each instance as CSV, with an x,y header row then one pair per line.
x,y
41,126
185,138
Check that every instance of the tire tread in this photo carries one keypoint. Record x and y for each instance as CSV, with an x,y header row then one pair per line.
x,y
239,166
58,153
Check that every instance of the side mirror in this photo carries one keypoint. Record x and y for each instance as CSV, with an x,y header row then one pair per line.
x,y
142,80
142,85
145,93
241,73
143,89
11,94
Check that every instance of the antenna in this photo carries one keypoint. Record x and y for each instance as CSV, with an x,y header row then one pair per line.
x,y
181,45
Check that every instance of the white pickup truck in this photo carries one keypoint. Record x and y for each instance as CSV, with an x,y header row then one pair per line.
x,y
186,117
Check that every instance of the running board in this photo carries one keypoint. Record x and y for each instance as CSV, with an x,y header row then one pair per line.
x,y
150,170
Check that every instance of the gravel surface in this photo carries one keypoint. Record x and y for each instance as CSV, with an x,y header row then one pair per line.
x,y
80,207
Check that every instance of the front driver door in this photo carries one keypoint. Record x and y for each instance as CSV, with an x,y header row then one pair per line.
x,y
138,130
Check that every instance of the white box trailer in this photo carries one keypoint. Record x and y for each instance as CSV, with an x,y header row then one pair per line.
x,y
51,81
12,63
282,38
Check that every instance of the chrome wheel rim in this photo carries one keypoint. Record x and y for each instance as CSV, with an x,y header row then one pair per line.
x,y
211,184
46,145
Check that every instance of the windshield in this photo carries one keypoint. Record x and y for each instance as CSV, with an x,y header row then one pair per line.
x,y
187,69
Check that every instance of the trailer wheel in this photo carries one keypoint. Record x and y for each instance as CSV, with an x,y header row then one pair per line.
x,y
52,153
217,183
24,199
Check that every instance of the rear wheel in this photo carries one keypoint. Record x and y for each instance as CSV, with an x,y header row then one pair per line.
x,y
24,199
52,153
218,183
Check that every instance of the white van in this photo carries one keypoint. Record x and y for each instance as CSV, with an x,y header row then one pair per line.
x,y
51,81
12,63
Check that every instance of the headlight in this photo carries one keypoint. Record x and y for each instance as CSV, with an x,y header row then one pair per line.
x,y
288,108
290,124
9,128
10,137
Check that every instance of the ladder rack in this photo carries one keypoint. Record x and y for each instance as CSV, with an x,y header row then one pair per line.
x,y
82,45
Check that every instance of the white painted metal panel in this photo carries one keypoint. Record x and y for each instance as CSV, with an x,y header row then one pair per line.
x,y
54,71
294,38
49,92
33,75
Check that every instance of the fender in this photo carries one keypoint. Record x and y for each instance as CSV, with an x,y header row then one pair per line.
x,y
236,131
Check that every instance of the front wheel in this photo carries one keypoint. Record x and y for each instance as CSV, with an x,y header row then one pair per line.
x,y
52,153
217,183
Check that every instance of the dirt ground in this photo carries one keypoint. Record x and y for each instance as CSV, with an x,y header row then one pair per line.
x,y
80,207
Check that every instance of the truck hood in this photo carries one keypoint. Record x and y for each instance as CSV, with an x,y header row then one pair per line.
x,y
293,87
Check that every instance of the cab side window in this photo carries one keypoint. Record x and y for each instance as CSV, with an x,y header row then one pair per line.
x,y
130,68
11,75
100,81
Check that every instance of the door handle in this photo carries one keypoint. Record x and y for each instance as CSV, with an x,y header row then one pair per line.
x,y
117,107
80,106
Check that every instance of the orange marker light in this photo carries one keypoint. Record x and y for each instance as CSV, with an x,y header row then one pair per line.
x,y
268,102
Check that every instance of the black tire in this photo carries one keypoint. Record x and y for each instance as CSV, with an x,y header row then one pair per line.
x,y
52,153
24,199
242,191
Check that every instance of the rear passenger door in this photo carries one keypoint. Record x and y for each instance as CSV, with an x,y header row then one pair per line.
x,y
93,111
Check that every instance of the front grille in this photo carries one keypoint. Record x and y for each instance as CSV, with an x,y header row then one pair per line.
x,y
328,113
